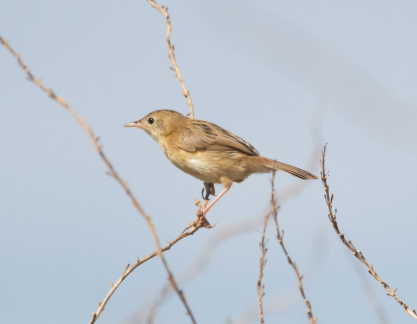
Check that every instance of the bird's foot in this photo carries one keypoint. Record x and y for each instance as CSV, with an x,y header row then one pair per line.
x,y
209,189
203,221
201,218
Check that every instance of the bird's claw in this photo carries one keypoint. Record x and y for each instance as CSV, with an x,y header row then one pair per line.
x,y
204,222
205,197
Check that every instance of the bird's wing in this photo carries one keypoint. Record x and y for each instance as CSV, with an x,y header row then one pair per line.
x,y
201,135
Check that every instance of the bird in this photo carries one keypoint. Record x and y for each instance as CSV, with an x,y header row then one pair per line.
x,y
209,152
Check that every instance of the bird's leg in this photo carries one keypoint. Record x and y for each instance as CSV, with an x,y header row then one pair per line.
x,y
206,209
209,190
227,183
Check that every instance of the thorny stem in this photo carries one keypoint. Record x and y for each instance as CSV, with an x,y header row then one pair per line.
x,y
358,254
262,264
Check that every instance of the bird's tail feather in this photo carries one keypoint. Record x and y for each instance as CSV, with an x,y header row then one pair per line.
x,y
268,165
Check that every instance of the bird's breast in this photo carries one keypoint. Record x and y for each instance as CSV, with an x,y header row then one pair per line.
x,y
194,164
209,166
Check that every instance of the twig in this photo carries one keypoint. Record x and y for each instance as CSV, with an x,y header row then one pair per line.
x,y
280,237
357,253
129,268
262,264
50,93
171,49
204,256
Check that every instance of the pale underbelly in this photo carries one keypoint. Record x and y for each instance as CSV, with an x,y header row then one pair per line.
x,y
211,168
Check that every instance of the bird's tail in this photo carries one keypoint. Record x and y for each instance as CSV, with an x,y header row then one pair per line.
x,y
267,165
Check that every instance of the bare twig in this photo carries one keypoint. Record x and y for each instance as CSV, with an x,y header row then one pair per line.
x,y
129,268
206,254
50,93
262,264
164,10
280,237
204,258
358,254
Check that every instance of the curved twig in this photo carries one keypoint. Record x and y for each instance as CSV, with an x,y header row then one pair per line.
x,y
129,269
262,264
280,238
358,254
164,10
50,93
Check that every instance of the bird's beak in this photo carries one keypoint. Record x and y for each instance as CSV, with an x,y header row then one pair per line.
x,y
134,124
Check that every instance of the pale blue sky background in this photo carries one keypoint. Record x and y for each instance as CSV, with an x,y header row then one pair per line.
x,y
287,77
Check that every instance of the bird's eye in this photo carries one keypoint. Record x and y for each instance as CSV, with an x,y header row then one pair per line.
x,y
151,121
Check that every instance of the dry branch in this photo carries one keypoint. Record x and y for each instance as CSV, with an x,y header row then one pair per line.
x,y
129,268
280,237
262,264
204,257
213,242
358,254
164,10
50,93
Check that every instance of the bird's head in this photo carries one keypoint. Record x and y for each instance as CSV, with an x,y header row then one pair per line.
x,y
158,123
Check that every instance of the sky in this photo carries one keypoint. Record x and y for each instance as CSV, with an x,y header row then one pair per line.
x,y
287,77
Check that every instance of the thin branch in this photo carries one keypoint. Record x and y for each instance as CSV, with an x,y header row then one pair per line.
x,y
129,268
357,253
213,243
262,264
50,93
206,253
280,237
164,10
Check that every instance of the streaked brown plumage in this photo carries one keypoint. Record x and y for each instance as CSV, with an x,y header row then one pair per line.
x,y
208,152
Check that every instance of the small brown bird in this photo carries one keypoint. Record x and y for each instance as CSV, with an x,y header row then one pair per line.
x,y
208,152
